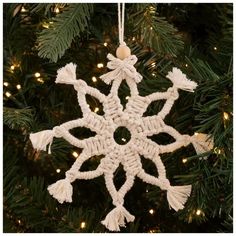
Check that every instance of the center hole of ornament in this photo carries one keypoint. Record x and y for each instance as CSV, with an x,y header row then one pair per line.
x,y
122,135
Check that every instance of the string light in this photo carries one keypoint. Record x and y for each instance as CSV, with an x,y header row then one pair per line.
x,y
184,160
100,65
94,79
133,39
215,48
23,9
146,190
75,154
196,133
151,211
6,84
12,67
226,116
153,231
153,64
152,9
57,10
8,94
96,109
19,222
217,151
123,139
198,212
82,225
18,86
151,28
45,25
153,74
186,65
105,44
37,74
58,170
127,97
40,80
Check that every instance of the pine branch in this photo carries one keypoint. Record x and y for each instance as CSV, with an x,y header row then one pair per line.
x,y
54,41
155,31
17,118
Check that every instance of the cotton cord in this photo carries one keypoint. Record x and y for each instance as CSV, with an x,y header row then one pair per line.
x,y
121,21
129,155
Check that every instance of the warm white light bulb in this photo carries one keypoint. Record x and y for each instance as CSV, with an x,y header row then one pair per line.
x,y
105,44
215,48
57,10
94,79
23,9
198,212
18,86
153,64
226,116
37,74
40,80
151,211
96,109
82,225
217,151
184,160
12,67
6,84
127,97
8,94
186,65
123,139
100,65
75,154
45,25
58,170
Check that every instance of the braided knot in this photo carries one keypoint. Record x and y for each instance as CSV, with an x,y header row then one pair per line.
x,y
186,138
118,200
173,92
71,175
58,131
80,85
164,184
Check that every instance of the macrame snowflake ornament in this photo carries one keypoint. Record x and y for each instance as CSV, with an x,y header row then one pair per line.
x,y
115,154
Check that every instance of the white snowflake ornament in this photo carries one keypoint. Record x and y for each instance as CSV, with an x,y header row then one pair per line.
x,y
129,154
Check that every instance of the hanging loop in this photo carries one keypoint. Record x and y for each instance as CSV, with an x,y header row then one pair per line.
x,y
122,51
121,19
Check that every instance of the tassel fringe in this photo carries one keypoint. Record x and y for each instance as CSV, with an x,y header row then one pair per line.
x,y
180,80
202,143
67,74
41,139
116,218
178,195
61,190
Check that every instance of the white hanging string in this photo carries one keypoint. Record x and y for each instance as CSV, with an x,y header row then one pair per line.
x,y
121,20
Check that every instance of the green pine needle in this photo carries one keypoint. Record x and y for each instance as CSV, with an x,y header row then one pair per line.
x,y
54,41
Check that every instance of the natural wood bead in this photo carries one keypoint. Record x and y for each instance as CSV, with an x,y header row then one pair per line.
x,y
123,52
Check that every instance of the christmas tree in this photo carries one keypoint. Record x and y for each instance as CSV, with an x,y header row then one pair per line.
x,y
41,38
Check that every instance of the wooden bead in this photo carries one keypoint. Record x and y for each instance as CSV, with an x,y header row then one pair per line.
x,y
123,52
